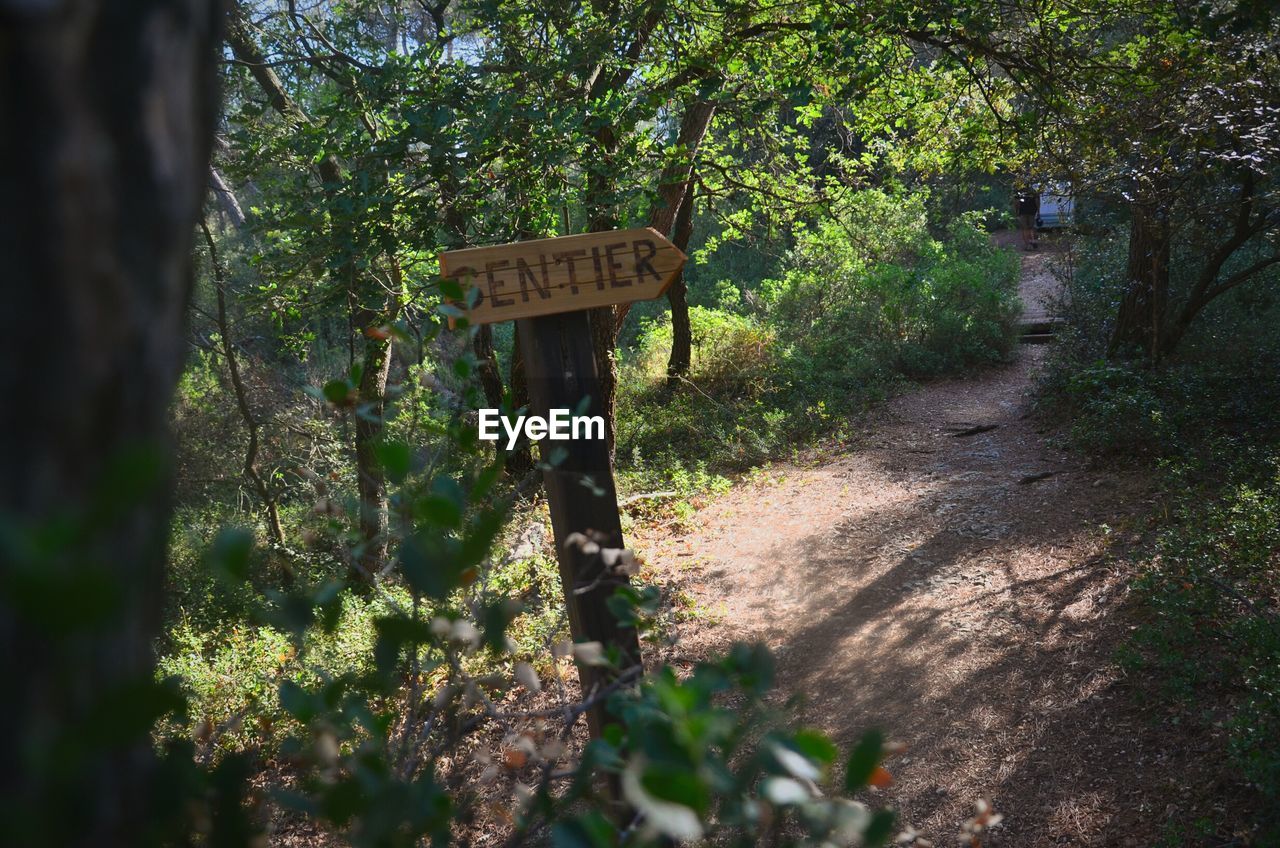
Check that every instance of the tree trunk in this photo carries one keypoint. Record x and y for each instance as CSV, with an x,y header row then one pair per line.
x,y
604,340
520,461
376,360
681,330
673,189
604,319
108,110
1210,284
487,364
1138,322
371,480
675,184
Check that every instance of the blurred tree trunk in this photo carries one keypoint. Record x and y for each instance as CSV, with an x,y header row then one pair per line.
x,y
108,111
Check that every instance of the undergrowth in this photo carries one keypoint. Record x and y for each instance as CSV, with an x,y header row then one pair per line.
x,y
1206,423
864,301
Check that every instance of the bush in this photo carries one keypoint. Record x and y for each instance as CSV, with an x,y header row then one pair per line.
x,y
231,672
1117,408
911,303
1210,587
1209,419
731,352
866,297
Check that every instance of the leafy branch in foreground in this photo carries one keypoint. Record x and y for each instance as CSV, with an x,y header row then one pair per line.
x,y
450,726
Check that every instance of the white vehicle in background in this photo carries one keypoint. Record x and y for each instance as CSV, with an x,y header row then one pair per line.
x,y
1057,207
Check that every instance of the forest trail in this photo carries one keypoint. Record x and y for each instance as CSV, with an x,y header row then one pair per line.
x,y
963,593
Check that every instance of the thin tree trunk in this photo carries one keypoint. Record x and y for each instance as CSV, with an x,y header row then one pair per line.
x,y
371,480
487,359
673,189
520,461
108,111
602,81
604,340
675,183
603,319
251,471
1209,284
606,322
681,330
226,197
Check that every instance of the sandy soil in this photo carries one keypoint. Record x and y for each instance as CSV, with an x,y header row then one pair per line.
x,y
966,594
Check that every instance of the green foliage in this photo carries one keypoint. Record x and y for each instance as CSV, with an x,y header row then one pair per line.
x,y
688,764
1212,634
367,136
231,672
866,298
1184,408
1209,632
730,351
872,279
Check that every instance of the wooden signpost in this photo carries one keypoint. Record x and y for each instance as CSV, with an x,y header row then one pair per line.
x,y
550,276
546,285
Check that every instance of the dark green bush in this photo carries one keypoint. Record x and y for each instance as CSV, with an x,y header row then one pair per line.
x,y
1208,419
1210,589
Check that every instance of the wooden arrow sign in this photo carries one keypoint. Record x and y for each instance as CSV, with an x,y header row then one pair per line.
x,y
565,274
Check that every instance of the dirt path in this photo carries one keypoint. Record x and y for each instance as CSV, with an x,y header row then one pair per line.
x,y
926,584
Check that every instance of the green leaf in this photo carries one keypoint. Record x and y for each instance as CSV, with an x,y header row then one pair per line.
x,y
494,619
337,392
298,702
863,760
431,565
394,632
815,745
880,828
630,604
451,288
230,553
676,784
591,830
439,511
342,801
395,458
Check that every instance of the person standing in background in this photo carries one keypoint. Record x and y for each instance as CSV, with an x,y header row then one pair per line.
x,y
1026,205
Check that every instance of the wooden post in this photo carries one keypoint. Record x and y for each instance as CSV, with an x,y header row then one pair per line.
x,y
561,371
547,286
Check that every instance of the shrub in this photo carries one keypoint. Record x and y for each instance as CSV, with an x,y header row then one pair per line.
x,y
914,304
866,297
731,352
231,672
1213,632
1209,419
